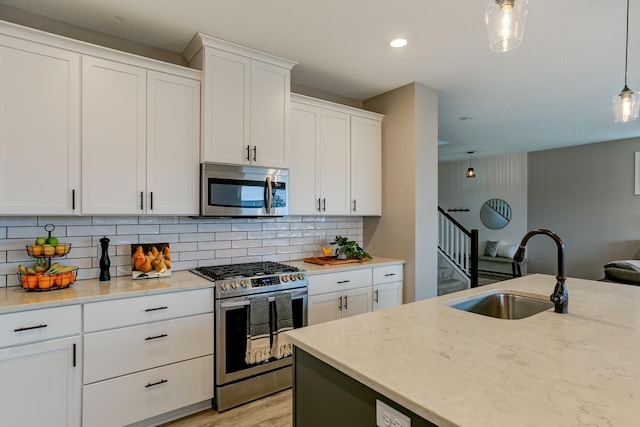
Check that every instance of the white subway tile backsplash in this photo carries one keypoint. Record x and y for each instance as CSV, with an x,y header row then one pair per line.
x,y
194,241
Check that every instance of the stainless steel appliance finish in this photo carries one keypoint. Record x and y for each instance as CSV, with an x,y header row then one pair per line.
x,y
237,382
243,191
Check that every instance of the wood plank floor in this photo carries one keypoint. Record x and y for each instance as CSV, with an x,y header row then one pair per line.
x,y
270,411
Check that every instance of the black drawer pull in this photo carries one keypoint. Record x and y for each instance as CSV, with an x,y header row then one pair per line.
x,y
343,281
164,307
156,383
28,328
156,337
389,274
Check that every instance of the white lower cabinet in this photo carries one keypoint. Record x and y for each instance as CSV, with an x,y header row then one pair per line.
x,y
156,357
41,381
387,286
337,295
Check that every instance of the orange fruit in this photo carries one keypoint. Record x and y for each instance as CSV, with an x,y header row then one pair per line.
x,y
48,250
44,281
35,250
32,281
25,282
56,279
61,250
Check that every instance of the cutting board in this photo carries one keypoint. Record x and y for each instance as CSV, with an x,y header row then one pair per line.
x,y
329,260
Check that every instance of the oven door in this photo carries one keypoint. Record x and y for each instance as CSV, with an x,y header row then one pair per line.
x,y
231,336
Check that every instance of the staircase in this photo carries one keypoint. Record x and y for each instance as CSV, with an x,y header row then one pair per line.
x,y
457,255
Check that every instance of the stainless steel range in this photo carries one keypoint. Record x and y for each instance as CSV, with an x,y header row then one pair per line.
x,y
237,382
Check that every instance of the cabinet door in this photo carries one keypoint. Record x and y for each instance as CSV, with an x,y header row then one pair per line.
x,y
41,383
270,91
323,308
226,105
366,166
334,162
304,170
387,295
173,143
356,301
39,129
113,137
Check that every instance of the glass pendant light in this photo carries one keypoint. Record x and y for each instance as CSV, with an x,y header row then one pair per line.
x,y
505,23
625,104
471,173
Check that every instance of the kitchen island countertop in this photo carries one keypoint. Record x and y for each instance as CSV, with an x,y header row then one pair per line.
x,y
456,368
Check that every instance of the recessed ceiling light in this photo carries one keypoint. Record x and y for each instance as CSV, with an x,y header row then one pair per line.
x,y
398,43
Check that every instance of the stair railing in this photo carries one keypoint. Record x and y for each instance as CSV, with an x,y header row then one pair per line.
x,y
459,245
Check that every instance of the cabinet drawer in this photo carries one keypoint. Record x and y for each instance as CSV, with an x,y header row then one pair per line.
x,y
109,354
39,325
336,282
131,311
388,274
125,400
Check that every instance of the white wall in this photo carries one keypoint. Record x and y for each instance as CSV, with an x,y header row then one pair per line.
x,y
503,177
585,194
194,241
407,228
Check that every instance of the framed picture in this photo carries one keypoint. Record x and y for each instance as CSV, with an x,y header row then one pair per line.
x,y
150,260
637,177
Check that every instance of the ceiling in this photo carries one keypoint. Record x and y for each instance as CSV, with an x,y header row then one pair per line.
x,y
554,90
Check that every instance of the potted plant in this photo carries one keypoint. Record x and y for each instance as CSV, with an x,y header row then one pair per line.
x,y
349,249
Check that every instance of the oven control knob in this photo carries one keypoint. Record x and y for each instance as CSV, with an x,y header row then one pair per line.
x,y
244,283
224,286
285,278
300,276
235,285
292,277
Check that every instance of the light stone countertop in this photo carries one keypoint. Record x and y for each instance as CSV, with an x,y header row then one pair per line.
x,y
313,269
456,368
14,298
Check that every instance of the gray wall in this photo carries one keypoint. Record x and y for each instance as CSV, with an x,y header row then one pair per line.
x,y
408,227
586,195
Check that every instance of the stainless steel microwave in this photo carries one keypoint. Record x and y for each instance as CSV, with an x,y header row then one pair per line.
x,y
236,191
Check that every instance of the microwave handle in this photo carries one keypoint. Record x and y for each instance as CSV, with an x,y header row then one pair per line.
x,y
267,194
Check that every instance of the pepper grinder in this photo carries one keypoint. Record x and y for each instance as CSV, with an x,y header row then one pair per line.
x,y
105,263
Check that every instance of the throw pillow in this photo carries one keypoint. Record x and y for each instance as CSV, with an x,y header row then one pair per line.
x,y
491,249
506,250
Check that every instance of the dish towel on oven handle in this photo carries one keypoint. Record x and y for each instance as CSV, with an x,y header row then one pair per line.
x,y
283,321
258,331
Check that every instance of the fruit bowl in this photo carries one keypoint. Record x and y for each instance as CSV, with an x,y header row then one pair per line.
x,y
47,282
49,251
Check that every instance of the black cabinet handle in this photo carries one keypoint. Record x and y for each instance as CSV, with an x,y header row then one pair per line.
x,y
151,200
340,304
376,299
141,200
164,307
319,209
73,199
354,205
346,307
156,337
255,153
28,328
74,355
343,281
389,274
324,205
156,383
248,152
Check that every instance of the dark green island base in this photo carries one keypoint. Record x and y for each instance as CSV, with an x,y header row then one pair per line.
x,y
324,396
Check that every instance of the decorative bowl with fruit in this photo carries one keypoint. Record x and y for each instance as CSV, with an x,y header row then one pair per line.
x,y
55,277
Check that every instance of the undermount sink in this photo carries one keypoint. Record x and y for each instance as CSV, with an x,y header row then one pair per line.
x,y
503,305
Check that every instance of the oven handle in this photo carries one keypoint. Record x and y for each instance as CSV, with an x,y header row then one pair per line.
x,y
267,194
247,300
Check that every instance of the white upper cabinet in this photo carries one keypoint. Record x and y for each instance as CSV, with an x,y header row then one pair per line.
x,y
113,137
173,144
140,134
366,166
39,129
335,164
245,104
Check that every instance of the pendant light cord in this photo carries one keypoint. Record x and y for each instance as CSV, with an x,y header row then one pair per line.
x,y
626,48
